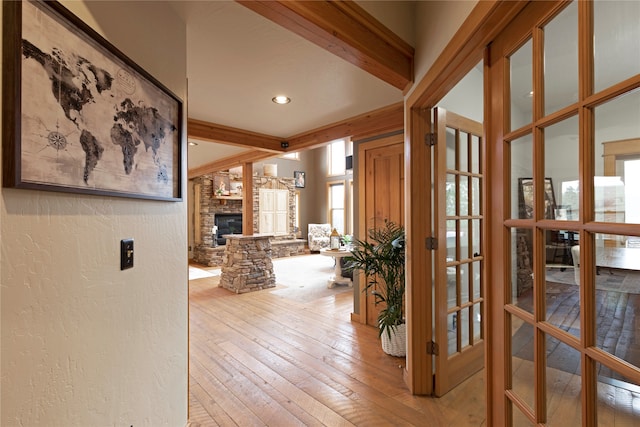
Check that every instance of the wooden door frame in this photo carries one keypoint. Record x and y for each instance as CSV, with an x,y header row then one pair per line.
x,y
615,150
464,51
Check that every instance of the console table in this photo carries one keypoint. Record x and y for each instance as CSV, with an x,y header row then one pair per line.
x,y
337,278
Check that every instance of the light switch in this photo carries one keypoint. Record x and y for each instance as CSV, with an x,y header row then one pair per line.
x,y
126,254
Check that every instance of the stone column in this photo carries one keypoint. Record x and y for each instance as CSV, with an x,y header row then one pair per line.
x,y
247,264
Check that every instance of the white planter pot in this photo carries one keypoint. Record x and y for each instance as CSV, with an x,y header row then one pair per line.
x,y
396,345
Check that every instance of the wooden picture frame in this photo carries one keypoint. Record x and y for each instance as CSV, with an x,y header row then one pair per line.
x,y
526,200
81,117
299,179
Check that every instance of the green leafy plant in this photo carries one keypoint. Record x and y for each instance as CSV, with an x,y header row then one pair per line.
x,y
381,258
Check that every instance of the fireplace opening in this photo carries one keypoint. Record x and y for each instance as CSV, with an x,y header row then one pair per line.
x,y
227,224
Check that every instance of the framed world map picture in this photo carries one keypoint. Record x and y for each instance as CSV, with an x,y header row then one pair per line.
x,y
79,116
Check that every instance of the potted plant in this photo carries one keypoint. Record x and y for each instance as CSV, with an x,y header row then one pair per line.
x,y
381,258
347,241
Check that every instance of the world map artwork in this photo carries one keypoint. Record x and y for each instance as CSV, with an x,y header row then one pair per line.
x,y
90,121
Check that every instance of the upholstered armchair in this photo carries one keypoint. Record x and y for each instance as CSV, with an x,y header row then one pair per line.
x,y
318,236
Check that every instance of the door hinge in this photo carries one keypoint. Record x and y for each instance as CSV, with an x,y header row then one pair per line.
x,y
430,139
432,348
431,243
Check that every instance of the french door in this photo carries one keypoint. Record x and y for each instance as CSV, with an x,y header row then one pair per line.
x,y
565,341
458,225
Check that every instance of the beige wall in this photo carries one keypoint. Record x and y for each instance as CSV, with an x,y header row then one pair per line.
x,y
396,15
436,23
83,343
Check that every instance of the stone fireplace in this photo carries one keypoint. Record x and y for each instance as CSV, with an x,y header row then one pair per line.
x,y
209,206
226,223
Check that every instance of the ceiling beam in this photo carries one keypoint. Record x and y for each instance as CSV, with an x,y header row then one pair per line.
x,y
346,30
206,131
229,162
378,122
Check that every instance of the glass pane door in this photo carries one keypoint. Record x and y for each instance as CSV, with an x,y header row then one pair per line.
x,y
566,127
459,295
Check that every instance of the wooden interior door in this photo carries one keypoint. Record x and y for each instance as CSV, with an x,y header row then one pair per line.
x,y
383,197
458,220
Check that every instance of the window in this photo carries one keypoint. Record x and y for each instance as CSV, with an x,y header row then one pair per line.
x,y
349,229
291,156
336,206
336,158
631,196
570,191
621,160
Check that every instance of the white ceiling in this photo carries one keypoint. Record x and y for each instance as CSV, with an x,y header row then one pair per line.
x,y
237,61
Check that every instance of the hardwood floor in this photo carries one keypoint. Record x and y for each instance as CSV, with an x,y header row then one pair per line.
x,y
617,317
616,326
261,359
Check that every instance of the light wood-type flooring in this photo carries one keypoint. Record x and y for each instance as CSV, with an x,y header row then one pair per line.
x,y
262,359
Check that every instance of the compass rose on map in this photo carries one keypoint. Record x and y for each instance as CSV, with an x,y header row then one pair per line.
x,y
57,140
54,138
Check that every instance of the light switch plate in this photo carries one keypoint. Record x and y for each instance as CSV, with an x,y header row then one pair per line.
x,y
126,254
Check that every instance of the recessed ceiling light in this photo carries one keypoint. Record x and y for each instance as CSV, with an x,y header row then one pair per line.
x,y
193,144
281,99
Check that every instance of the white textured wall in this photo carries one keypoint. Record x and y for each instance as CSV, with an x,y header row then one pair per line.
x,y
83,343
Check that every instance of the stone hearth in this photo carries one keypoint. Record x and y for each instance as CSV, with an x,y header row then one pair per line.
x,y
247,264
214,256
